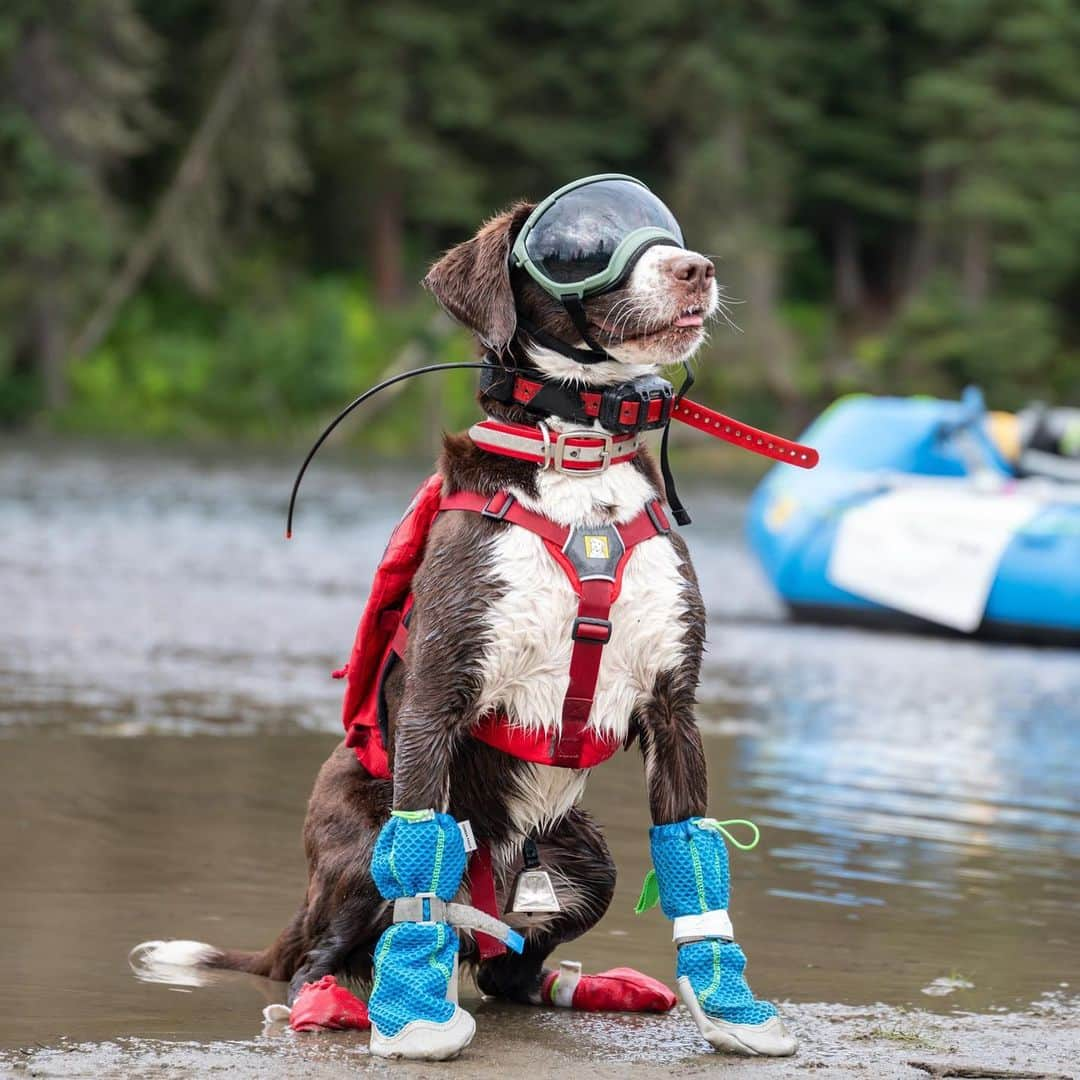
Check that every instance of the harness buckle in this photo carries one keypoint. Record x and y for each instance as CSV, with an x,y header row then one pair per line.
x,y
595,631
498,512
560,452
657,517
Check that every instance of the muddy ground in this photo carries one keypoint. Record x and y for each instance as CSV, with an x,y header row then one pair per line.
x,y
836,1041
165,704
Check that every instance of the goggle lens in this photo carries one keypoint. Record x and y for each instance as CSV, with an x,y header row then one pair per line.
x,y
578,234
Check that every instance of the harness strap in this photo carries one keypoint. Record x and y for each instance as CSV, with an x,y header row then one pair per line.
x,y
504,507
482,894
575,747
591,632
592,627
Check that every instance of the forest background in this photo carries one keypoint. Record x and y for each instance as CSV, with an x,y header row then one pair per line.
x,y
214,214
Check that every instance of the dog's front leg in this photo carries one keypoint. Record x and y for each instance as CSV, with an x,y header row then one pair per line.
x,y
419,856
691,865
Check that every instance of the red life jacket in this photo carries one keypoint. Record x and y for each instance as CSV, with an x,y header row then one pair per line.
x,y
378,624
593,559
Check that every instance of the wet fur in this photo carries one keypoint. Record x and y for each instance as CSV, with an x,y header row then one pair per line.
x,y
432,698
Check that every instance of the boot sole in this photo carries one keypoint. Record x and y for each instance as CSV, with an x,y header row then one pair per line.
x,y
770,1039
426,1040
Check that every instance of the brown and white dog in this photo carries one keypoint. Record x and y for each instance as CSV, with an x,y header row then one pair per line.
x,y
492,631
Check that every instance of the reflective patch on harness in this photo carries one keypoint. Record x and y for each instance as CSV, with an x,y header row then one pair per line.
x,y
597,547
595,552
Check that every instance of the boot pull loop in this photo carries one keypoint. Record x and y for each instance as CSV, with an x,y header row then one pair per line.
x,y
722,828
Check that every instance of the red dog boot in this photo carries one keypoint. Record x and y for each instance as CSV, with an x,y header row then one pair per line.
x,y
621,989
326,1006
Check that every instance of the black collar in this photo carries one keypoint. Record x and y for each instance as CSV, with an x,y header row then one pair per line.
x,y
641,404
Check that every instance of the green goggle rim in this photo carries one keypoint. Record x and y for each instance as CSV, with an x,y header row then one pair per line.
x,y
628,247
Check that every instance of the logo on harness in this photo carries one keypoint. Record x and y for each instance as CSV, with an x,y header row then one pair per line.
x,y
597,547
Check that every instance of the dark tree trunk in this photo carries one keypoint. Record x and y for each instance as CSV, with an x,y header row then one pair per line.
x,y
189,175
926,250
47,339
850,289
765,330
387,244
976,267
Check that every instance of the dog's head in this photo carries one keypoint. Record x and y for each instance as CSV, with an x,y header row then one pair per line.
x,y
655,317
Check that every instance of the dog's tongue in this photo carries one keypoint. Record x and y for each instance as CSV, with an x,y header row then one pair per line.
x,y
689,320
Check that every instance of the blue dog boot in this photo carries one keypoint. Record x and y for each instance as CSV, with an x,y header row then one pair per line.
x,y
692,877
418,862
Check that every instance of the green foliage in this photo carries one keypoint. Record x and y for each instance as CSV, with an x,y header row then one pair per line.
x,y
263,363
888,187
999,114
938,343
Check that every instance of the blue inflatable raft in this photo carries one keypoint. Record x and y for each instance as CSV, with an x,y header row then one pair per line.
x,y
930,514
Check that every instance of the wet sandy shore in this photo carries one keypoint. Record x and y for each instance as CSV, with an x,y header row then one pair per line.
x,y
836,1041
165,704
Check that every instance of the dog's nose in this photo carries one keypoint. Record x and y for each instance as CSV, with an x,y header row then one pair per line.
x,y
691,268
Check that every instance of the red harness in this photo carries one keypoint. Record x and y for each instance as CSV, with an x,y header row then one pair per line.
x,y
592,558
576,746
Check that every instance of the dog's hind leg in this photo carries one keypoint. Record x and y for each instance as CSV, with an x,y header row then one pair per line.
x,y
345,947
576,856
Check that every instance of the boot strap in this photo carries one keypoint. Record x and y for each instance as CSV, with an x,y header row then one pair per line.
x,y
428,908
709,924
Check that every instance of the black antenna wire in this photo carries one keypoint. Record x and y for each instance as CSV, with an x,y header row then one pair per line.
x,y
371,392
678,511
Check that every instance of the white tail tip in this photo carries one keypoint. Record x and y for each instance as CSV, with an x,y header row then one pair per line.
x,y
173,962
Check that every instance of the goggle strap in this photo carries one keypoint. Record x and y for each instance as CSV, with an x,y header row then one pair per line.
x,y
542,337
576,310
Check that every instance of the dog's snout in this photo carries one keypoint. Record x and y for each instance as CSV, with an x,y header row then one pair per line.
x,y
691,268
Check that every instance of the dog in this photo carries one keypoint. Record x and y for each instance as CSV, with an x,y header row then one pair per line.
x,y
492,631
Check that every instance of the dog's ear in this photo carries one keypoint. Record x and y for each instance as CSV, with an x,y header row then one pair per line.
x,y
472,280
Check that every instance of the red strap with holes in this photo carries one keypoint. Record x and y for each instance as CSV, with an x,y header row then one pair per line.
x,y
734,431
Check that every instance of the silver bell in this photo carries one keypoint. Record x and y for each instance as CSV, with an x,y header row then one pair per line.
x,y
533,892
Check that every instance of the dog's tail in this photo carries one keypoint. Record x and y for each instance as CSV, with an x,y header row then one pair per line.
x,y
164,960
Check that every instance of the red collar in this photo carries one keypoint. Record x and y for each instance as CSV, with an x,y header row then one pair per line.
x,y
587,405
576,452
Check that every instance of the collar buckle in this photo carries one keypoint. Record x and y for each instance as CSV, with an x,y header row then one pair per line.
x,y
557,451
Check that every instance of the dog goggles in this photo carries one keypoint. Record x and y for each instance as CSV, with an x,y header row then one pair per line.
x,y
584,238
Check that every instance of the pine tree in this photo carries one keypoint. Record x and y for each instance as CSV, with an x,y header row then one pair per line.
x,y
74,111
999,109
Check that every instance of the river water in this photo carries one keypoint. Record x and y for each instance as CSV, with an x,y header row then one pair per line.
x,y
165,703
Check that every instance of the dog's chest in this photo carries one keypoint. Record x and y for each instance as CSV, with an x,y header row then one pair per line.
x,y
526,663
